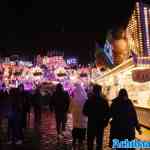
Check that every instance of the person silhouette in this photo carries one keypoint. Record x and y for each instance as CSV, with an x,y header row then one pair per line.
x,y
96,109
124,118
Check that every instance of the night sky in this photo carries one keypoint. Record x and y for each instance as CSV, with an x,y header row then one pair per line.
x,y
72,26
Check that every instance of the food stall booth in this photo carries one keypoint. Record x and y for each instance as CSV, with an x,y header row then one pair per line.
x,y
135,77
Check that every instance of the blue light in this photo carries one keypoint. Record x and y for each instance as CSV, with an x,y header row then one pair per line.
x,y
71,61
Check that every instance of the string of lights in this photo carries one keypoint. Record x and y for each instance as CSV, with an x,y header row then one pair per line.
x,y
134,32
138,30
147,17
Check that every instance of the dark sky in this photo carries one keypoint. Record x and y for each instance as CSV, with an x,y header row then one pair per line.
x,y
75,26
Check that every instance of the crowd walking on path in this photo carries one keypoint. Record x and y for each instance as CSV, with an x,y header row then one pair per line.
x,y
89,107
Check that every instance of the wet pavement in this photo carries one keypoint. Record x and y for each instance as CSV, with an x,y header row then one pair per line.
x,y
42,135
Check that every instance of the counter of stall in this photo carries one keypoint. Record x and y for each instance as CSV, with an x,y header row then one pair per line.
x,y
135,77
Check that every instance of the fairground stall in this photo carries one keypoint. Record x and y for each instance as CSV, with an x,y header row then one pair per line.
x,y
135,77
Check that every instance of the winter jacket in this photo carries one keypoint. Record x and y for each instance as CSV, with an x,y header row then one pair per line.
x,y
124,119
97,110
60,102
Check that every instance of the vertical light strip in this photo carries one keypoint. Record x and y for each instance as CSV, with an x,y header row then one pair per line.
x,y
148,23
147,30
139,28
148,26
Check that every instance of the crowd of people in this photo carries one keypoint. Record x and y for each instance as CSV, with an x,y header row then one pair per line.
x,y
90,111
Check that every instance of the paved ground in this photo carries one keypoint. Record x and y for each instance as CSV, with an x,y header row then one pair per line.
x,y
42,136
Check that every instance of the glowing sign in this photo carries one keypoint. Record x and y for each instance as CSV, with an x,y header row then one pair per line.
x,y
72,61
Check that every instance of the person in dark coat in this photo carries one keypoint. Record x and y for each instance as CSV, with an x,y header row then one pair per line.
x,y
37,105
15,109
25,98
60,102
50,94
124,118
97,110
3,102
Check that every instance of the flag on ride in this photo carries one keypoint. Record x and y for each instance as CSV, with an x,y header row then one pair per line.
x,y
134,56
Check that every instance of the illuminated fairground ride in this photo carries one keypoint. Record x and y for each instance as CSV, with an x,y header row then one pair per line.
x,y
138,30
52,62
134,39
47,70
131,58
